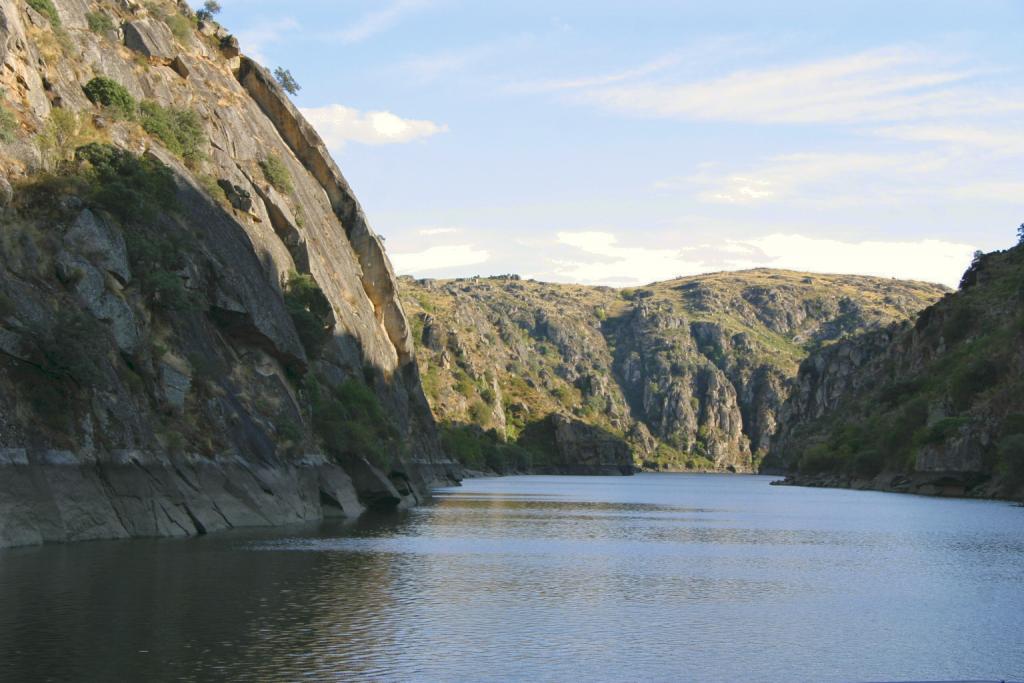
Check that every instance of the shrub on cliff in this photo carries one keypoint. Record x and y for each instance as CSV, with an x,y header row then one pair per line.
x,y
181,130
99,22
60,136
180,27
310,312
73,349
108,93
350,421
277,174
130,187
8,124
46,8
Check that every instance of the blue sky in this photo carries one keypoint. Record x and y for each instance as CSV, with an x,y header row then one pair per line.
x,y
624,142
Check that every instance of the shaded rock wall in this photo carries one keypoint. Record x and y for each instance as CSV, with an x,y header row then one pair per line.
x,y
212,396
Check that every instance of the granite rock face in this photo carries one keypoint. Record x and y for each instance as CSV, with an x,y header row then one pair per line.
x,y
935,407
153,380
687,374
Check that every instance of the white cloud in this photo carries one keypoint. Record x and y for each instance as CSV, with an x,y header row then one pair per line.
x,y
338,124
829,178
1011,191
651,67
379,20
930,260
438,258
619,264
1001,141
884,85
608,262
437,231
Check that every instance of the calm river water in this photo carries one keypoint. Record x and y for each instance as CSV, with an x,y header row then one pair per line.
x,y
652,577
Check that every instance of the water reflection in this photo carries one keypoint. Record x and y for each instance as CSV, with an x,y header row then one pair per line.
x,y
548,578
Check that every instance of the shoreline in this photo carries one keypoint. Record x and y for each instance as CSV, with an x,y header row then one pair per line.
x,y
931,484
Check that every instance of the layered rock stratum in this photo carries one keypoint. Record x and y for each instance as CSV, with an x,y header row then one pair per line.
x,y
198,328
688,374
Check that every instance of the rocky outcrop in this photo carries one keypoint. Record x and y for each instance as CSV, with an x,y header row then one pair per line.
x,y
377,276
586,449
688,374
155,377
52,496
149,37
935,407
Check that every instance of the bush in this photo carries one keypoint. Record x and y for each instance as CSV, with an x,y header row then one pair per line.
x,y
180,27
480,413
99,22
818,459
350,421
310,312
59,137
477,449
8,124
289,431
942,430
959,324
166,290
46,8
130,187
108,93
181,130
1011,459
972,380
73,349
277,174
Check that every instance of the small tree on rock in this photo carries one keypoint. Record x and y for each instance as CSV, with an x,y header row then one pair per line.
x,y
286,81
210,9
1020,234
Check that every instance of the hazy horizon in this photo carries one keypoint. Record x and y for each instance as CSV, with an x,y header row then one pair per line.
x,y
625,143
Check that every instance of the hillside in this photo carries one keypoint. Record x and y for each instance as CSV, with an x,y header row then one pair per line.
x,y
932,407
198,328
684,374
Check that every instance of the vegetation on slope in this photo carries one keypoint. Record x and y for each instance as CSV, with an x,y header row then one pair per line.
x,y
688,372
946,397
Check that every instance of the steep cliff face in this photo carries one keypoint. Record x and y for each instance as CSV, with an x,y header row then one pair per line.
x,y
688,374
933,407
198,328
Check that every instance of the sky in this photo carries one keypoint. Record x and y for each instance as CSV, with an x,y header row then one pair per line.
x,y
620,143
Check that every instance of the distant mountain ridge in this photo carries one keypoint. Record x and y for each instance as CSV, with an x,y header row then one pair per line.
x,y
687,374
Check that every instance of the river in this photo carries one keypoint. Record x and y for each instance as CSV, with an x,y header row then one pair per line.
x,y
655,577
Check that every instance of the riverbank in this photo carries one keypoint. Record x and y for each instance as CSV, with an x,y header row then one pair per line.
x,y
55,497
936,484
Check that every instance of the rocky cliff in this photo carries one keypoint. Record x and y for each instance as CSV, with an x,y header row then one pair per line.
x,y
936,406
684,374
198,328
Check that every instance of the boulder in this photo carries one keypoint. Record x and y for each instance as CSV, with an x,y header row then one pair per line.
x,y
90,288
239,197
176,382
103,245
149,37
